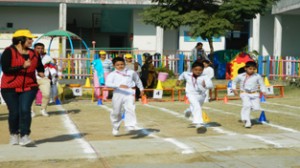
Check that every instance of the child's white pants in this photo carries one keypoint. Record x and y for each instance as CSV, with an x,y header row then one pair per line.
x,y
250,102
196,102
127,101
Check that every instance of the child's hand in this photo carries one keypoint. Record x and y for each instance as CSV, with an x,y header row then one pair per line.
x,y
203,84
178,82
124,86
236,93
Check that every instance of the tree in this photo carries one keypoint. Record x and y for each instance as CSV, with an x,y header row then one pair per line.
x,y
206,18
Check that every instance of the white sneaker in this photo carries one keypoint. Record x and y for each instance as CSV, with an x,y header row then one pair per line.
x,y
25,140
44,113
187,113
32,114
115,132
14,139
131,128
248,124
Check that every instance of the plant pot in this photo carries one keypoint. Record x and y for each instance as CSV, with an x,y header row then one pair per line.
x,y
162,76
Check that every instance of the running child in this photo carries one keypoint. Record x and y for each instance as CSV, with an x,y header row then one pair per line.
x,y
249,91
124,82
196,85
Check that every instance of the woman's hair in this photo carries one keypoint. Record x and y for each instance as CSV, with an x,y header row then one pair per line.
x,y
17,40
196,64
116,59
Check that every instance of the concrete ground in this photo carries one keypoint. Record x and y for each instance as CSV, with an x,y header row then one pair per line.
x,y
78,134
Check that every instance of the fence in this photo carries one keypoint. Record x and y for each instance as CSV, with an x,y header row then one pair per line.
x,y
78,66
282,68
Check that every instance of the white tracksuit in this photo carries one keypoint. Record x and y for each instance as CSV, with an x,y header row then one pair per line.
x,y
123,97
209,71
196,93
249,92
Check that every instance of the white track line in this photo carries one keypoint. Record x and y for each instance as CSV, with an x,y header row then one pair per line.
x,y
281,127
72,129
269,110
277,145
265,123
178,115
226,132
285,105
184,147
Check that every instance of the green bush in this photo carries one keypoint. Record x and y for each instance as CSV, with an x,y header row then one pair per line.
x,y
295,82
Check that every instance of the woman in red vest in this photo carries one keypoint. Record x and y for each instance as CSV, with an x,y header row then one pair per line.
x,y
19,86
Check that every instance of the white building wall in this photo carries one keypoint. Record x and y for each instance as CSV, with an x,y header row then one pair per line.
x,y
38,20
188,46
144,36
290,35
266,35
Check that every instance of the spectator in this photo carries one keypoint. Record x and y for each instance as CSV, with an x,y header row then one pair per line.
x,y
18,84
44,83
198,53
149,75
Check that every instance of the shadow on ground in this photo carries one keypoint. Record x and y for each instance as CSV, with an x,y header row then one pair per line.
x,y
61,138
136,134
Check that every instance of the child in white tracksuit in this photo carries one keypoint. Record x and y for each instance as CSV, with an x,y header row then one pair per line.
x,y
123,81
249,91
196,85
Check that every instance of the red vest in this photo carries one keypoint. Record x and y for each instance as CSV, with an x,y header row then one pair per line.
x,y
25,79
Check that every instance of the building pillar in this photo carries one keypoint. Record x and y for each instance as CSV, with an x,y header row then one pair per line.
x,y
255,44
62,26
277,36
159,39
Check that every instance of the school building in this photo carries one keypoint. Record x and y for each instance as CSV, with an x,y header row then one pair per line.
x,y
118,24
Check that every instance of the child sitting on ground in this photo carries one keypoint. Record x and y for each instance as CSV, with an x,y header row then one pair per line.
x,y
249,92
123,81
196,85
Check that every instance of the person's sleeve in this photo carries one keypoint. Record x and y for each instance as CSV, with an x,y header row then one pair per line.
x,y
6,63
205,55
235,81
138,81
181,76
110,81
262,85
40,66
208,83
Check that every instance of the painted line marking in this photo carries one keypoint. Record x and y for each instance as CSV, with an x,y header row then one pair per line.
x,y
72,129
265,123
230,133
280,127
269,110
185,148
285,105
277,145
176,114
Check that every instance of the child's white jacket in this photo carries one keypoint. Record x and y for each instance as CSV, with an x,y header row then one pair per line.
x,y
126,77
249,84
193,85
